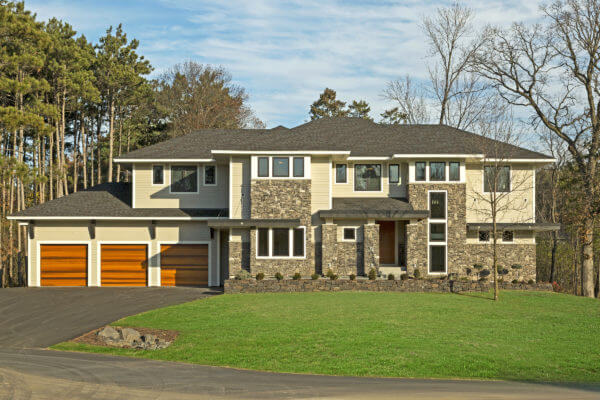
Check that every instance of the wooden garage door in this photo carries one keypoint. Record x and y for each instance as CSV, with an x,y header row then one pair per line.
x,y
63,264
123,265
184,265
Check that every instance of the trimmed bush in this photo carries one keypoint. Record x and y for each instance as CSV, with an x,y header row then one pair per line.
x,y
297,276
391,277
372,274
333,277
417,273
278,276
403,277
260,276
329,273
515,281
315,276
242,274
352,277
530,282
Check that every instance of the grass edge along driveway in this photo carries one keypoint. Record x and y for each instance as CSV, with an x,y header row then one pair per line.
x,y
526,336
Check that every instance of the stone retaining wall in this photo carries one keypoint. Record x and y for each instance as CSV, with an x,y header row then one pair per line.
x,y
410,285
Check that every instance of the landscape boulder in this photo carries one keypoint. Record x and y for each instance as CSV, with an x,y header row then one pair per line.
x,y
131,338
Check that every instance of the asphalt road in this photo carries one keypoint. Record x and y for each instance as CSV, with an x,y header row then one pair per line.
x,y
27,371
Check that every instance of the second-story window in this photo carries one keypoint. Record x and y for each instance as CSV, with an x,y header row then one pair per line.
x,y
496,176
394,173
454,171
184,178
263,167
158,177
341,173
281,167
210,175
437,171
298,167
420,171
367,177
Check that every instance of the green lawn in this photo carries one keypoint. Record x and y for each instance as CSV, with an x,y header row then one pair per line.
x,y
525,336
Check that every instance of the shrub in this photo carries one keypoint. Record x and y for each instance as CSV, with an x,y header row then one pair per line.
x,y
278,276
352,277
242,274
403,277
417,273
297,276
515,281
556,287
333,277
391,277
315,276
372,274
260,276
329,273
516,266
531,282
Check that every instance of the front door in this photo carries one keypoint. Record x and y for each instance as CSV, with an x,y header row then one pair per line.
x,y
387,242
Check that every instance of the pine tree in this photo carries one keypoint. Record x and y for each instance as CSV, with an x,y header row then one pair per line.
x,y
328,106
359,109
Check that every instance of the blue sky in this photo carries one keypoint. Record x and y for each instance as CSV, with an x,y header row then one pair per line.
x,y
283,53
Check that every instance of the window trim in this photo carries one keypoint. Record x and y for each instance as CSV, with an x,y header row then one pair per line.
x,y
335,174
287,175
204,175
163,175
437,243
171,178
254,167
509,179
290,245
390,181
415,171
380,178
353,228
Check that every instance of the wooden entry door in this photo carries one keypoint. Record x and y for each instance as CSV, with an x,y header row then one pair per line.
x,y
387,242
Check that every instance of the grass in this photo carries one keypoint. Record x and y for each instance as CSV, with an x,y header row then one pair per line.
x,y
526,336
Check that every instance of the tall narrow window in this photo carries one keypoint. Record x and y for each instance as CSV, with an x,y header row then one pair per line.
x,y
341,173
437,232
498,176
394,173
210,175
298,167
437,259
263,167
438,240
420,171
454,171
437,205
367,177
298,242
281,242
263,242
158,175
184,178
281,167
437,171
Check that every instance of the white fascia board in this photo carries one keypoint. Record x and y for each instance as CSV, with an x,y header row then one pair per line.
x,y
115,218
416,156
375,158
522,160
163,160
258,152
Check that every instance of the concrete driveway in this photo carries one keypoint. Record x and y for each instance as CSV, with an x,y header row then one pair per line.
x,y
34,318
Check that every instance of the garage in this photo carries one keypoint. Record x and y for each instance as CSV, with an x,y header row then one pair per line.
x,y
63,264
184,264
123,265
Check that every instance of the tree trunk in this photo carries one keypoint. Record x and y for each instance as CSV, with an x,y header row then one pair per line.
x,y
587,270
111,138
98,137
84,151
76,159
59,187
553,257
120,148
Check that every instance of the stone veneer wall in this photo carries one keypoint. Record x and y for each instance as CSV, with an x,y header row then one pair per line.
x,y
329,247
282,198
370,247
508,255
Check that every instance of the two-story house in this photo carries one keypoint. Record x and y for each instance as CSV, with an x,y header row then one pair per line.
x,y
344,194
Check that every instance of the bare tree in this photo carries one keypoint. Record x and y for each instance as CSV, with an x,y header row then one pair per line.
x,y
409,100
453,42
554,70
502,197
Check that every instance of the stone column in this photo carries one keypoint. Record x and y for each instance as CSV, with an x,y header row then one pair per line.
x,y
371,246
416,247
329,247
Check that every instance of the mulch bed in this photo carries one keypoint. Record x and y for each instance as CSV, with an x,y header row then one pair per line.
x,y
92,338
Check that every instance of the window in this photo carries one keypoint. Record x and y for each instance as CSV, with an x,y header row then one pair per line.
x,y
350,234
437,259
263,242
437,171
298,167
184,179
210,175
340,173
280,242
420,171
158,175
263,167
484,236
507,236
437,205
367,177
499,174
454,171
394,173
437,232
281,167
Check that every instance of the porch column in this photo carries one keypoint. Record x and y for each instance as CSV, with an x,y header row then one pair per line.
x,y
235,252
371,246
329,247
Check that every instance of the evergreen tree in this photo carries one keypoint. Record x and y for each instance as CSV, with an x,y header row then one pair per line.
x,y
393,116
359,109
328,106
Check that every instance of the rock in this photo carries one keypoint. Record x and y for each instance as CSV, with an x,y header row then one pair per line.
x,y
131,336
109,334
149,338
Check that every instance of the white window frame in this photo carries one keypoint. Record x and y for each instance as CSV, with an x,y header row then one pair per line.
x,y
204,175
437,243
254,167
290,244
389,167
198,182
412,171
510,170
366,162
353,228
335,174
163,173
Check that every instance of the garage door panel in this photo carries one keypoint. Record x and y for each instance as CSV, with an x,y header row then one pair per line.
x,y
179,261
123,265
63,264
184,277
184,265
185,249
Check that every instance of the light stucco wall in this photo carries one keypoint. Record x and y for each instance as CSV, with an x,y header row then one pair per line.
x,y
388,190
516,207
121,232
147,195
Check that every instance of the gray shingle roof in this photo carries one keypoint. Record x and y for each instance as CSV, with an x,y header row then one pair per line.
x,y
359,136
369,207
109,200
